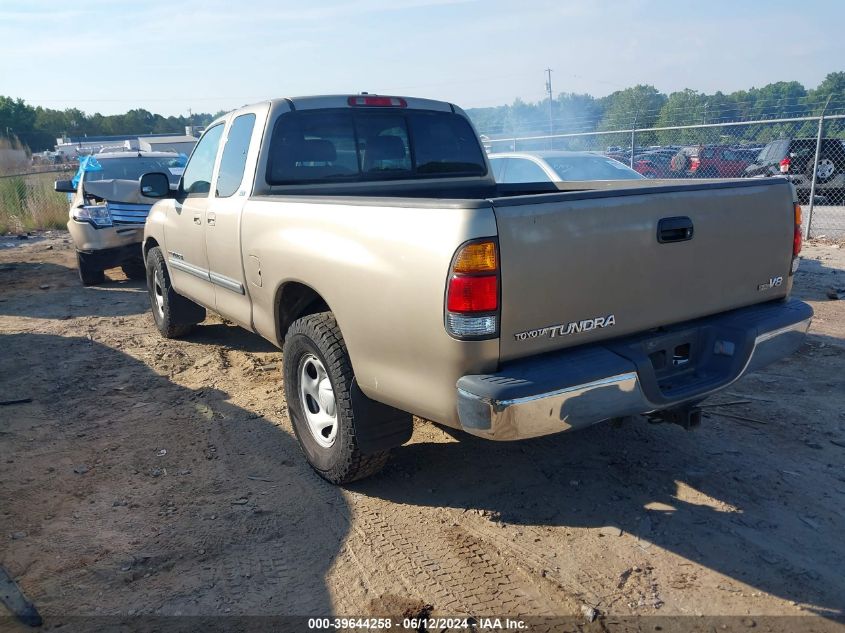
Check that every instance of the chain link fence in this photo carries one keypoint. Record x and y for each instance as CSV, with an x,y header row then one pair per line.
x,y
809,151
28,201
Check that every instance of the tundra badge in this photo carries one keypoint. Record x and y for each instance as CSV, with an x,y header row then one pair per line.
x,y
565,329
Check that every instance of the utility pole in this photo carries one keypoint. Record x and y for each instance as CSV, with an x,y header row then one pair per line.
x,y
549,91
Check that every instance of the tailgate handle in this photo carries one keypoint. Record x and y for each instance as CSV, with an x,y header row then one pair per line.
x,y
678,229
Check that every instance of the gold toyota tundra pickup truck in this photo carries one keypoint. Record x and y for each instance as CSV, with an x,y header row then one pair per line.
x,y
366,237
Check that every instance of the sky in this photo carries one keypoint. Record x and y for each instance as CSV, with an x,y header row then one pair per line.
x,y
169,56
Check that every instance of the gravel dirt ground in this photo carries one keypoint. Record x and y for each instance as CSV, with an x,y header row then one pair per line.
x,y
148,476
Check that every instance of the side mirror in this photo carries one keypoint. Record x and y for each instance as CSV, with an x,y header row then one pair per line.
x,y
64,186
155,185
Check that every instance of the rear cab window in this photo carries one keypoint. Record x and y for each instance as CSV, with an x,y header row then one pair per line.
x,y
233,161
339,145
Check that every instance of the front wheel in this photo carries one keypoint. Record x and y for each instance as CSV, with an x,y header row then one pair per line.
x,y
89,274
134,269
174,315
318,387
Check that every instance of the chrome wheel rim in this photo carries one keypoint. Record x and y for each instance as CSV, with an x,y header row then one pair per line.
x,y
825,169
316,396
158,294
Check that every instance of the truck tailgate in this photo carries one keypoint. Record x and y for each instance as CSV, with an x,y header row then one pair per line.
x,y
585,266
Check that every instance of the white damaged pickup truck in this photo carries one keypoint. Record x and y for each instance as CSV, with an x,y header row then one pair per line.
x,y
366,237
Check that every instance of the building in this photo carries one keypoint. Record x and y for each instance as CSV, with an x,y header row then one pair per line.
x,y
70,146
178,144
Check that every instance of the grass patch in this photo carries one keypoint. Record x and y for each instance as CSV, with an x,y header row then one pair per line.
x,y
29,203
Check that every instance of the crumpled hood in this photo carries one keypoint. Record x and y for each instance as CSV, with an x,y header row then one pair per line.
x,y
116,191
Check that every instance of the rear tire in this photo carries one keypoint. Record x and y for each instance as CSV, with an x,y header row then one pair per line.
x,y
89,274
679,164
174,315
827,169
318,387
134,269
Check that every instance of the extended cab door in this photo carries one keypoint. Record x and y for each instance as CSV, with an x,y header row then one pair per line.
x,y
232,188
187,259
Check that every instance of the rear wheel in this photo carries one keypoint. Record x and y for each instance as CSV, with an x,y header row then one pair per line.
x,y
134,269
174,315
89,274
826,170
680,162
318,387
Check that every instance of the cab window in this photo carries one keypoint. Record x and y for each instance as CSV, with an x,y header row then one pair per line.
x,y
343,145
233,161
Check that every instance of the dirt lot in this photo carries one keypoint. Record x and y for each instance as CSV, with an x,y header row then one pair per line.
x,y
162,477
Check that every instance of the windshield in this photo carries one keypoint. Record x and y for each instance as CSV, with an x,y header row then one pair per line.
x,y
590,168
132,168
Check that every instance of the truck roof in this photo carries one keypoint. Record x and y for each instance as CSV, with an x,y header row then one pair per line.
x,y
314,102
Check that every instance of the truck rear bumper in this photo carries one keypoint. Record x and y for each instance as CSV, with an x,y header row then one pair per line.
x,y
659,370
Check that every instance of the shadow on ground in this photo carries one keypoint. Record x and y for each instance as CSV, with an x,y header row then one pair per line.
x,y
52,291
756,517
156,499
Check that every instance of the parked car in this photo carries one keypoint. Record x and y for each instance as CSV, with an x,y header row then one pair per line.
x,y
654,164
552,166
107,212
366,237
748,154
795,158
708,161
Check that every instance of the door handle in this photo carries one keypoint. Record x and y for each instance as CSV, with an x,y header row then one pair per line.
x,y
678,229
211,218
197,219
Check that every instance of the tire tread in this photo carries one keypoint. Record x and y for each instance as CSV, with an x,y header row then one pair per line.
x,y
323,330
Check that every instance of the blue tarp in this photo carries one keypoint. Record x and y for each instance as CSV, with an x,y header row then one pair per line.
x,y
86,163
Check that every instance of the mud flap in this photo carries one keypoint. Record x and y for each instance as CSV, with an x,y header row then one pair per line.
x,y
378,427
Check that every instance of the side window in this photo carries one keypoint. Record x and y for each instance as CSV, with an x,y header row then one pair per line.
x,y
707,153
233,161
728,155
524,170
779,150
197,177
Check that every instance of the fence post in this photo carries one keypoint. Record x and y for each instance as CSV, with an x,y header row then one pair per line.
x,y
815,170
633,131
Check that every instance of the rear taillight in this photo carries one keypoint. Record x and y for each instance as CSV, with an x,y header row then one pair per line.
x,y
472,291
784,165
694,163
473,294
378,102
797,238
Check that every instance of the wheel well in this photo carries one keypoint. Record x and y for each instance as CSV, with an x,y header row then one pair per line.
x,y
148,245
294,301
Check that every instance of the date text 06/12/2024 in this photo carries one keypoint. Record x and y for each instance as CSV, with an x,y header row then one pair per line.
x,y
417,624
